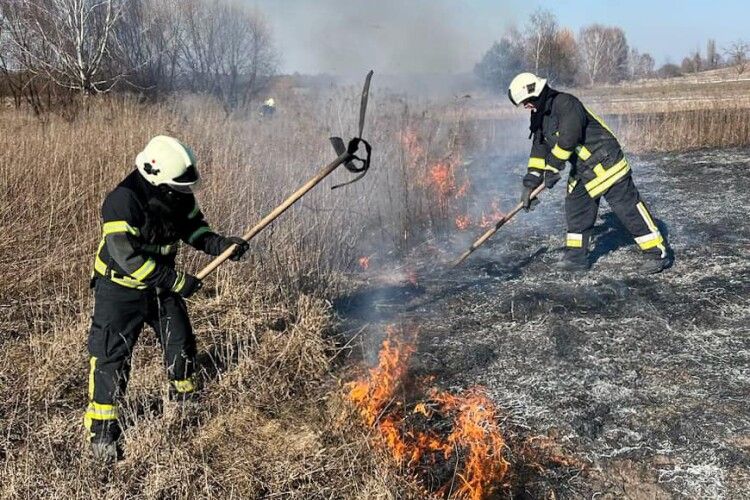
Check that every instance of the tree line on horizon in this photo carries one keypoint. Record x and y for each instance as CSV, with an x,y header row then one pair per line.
x,y
598,54
51,50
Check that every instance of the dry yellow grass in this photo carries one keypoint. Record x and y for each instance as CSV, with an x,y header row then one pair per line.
x,y
270,423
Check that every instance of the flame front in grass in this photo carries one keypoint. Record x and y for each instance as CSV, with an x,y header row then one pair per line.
x,y
463,222
440,429
374,395
493,217
477,433
443,175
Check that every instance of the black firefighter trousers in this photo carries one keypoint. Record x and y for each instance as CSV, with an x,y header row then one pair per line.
x,y
623,197
119,316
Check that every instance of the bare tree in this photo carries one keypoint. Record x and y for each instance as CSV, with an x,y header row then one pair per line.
x,y
646,66
24,86
563,63
250,59
147,45
66,41
692,63
737,55
640,65
542,30
227,49
604,53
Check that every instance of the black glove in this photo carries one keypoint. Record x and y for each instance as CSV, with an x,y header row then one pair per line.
x,y
550,179
186,285
531,181
242,247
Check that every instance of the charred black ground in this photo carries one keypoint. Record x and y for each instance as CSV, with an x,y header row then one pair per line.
x,y
644,379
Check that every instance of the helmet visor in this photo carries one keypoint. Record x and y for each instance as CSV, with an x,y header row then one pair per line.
x,y
188,182
186,188
188,177
510,96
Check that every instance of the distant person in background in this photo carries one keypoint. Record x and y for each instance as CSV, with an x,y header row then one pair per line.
x,y
564,130
268,108
135,282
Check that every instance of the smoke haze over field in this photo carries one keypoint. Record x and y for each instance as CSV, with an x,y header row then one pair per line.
x,y
389,36
449,36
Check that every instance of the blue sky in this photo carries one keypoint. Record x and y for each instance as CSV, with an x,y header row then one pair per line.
x,y
450,35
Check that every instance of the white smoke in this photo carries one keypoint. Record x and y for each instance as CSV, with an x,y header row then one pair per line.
x,y
389,36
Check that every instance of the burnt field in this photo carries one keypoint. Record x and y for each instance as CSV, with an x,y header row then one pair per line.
x,y
642,382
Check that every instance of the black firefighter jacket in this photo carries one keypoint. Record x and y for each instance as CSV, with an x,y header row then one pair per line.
x,y
568,131
142,228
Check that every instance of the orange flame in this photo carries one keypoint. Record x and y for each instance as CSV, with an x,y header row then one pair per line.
x,y
477,432
491,219
474,442
463,222
364,262
442,175
373,395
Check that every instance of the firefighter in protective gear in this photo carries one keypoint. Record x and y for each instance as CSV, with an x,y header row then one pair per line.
x,y
564,130
268,108
135,281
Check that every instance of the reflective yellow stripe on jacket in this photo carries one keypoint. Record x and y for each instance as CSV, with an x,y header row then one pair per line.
x,y
607,177
119,226
560,153
100,267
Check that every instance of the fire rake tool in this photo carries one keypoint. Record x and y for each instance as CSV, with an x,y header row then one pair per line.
x,y
347,157
488,234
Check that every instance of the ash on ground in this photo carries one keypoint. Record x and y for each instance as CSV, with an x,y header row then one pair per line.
x,y
646,380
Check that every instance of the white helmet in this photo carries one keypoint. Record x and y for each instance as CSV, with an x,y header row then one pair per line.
x,y
525,86
166,161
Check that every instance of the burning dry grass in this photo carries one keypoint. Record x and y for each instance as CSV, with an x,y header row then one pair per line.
x,y
272,419
451,443
267,424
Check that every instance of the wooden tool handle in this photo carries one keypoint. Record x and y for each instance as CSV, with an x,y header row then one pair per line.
x,y
488,234
260,226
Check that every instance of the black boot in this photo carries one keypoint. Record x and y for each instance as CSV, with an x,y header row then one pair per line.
x,y
104,436
655,262
574,261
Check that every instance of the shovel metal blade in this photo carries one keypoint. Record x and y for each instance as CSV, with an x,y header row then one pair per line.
x,y
340,148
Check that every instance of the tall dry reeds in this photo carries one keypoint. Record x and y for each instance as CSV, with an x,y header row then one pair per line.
x,y
638,132
270,422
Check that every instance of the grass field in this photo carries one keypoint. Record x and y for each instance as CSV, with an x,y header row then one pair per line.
x,y
274,346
